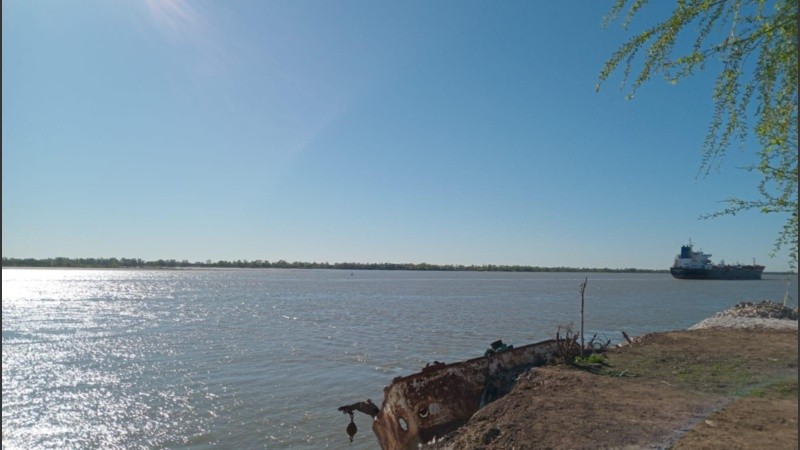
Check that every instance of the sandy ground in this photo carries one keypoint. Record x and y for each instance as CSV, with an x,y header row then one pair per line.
x,y
718,386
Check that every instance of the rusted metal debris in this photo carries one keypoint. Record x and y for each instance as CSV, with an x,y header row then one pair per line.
x,y
366,407
440,398
352,429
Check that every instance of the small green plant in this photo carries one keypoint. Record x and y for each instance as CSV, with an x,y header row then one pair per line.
x,y
760,393
785,388
593,359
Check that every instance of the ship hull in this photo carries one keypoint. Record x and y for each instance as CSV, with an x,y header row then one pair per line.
x,y
718,273
419,408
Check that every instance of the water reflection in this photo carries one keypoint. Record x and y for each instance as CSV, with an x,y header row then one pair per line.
x,y
262,358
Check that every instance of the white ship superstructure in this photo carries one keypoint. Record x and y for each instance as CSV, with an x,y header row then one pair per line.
x,y
696,265
690,259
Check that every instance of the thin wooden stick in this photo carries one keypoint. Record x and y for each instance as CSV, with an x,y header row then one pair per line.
x,y
583,289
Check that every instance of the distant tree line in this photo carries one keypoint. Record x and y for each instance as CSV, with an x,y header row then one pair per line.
x,y
114,263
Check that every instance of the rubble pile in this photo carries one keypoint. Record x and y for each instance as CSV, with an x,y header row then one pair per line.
x,y
763,314
762,310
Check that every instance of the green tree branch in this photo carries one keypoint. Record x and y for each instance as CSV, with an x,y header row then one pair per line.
x,y
765,87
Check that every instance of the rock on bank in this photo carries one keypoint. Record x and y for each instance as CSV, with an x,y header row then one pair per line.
x,y
763,314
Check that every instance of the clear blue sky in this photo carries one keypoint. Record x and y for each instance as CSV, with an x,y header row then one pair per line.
x,y
463,132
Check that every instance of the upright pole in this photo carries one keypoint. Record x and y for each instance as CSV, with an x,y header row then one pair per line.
x,y
583,289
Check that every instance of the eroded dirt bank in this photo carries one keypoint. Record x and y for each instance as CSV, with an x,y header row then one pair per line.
x,y
700,388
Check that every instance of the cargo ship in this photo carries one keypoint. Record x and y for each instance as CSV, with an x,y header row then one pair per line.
x,y
696,265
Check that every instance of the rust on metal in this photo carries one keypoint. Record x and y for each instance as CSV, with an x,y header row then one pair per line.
x,y
419,407
366,407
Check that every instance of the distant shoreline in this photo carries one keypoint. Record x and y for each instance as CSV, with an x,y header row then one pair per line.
x,y
136,263
171,264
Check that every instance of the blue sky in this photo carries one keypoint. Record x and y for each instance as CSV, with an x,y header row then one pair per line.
x,y
463,132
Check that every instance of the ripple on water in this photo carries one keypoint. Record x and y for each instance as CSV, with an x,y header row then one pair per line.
x,y
262,358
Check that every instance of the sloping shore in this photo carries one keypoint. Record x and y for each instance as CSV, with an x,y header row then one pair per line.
x,y
730,382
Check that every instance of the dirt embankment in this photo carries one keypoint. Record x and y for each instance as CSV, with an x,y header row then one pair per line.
x,y
706,388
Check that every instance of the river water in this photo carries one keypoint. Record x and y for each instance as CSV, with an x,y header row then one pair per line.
x,y
196,359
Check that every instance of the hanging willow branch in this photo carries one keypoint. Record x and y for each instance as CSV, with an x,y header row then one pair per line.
x,y
755,44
